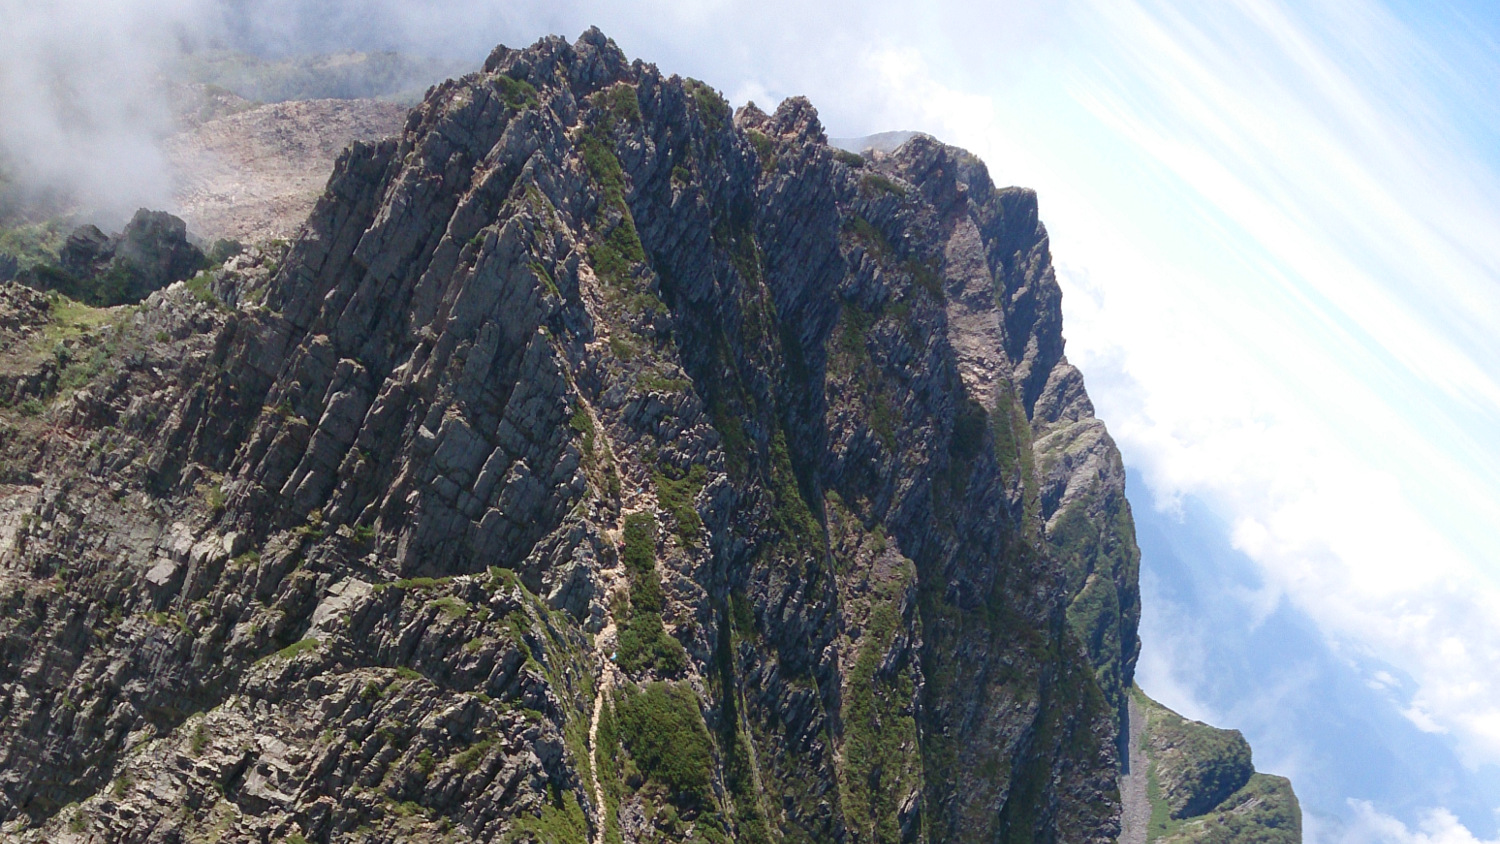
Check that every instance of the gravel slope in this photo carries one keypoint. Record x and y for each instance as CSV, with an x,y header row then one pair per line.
x,y
1136,806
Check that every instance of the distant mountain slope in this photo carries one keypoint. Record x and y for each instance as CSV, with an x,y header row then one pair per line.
x,y
253,172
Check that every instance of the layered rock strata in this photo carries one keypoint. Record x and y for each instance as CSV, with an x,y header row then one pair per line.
x,y
597,465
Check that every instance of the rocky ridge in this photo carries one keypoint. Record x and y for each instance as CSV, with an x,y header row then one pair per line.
x,y
597,465
1203,788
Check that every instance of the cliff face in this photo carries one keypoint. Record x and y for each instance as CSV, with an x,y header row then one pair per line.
x,y
597,465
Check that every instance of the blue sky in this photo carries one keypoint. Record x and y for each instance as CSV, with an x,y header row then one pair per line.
x,y
1277,227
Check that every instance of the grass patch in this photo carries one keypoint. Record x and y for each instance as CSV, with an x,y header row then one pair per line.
x,y
295,649
639,556
560,821
201,286
469,759
792,516
644,641
765,148
876,185
712,108
450,607
865,230
677,494
662,729
615,256
518,94
34,244
655,382
602,165
852,159
619,102
880,740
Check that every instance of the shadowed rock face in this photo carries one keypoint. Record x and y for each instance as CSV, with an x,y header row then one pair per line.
x,y
152,252
597,465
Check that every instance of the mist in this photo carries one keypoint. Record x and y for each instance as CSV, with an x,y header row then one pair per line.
x,y
82,111
86,89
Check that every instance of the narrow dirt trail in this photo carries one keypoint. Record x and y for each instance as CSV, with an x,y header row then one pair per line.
x,y
1136,814
606,686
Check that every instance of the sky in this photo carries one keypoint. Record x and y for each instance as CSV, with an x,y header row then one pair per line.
x,y
1277,228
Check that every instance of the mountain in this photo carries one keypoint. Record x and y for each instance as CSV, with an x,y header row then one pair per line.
x,y
598,465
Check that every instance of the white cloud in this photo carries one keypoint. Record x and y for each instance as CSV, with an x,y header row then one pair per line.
x,y
80,108
1369,826
1278,316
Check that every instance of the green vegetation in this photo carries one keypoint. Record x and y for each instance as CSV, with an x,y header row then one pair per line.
x,y
644,641
469,758
645,644
677,494
852,159
926,277
561,821
792,516
293,650
201,287
213,498
711,107
34,244
875,184
581,422
639,556
739,766
611,779
1202,789
199,739
864,230
619,103
880,737
603,167
614,258
517,93
616,255
851,357
765,148
414,583
1094,540
1195,765
450,606
1265,811
655,382
663,730
385,75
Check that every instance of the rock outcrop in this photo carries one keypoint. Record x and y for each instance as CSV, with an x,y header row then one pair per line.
x,y
1203,787
152,252
596,465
